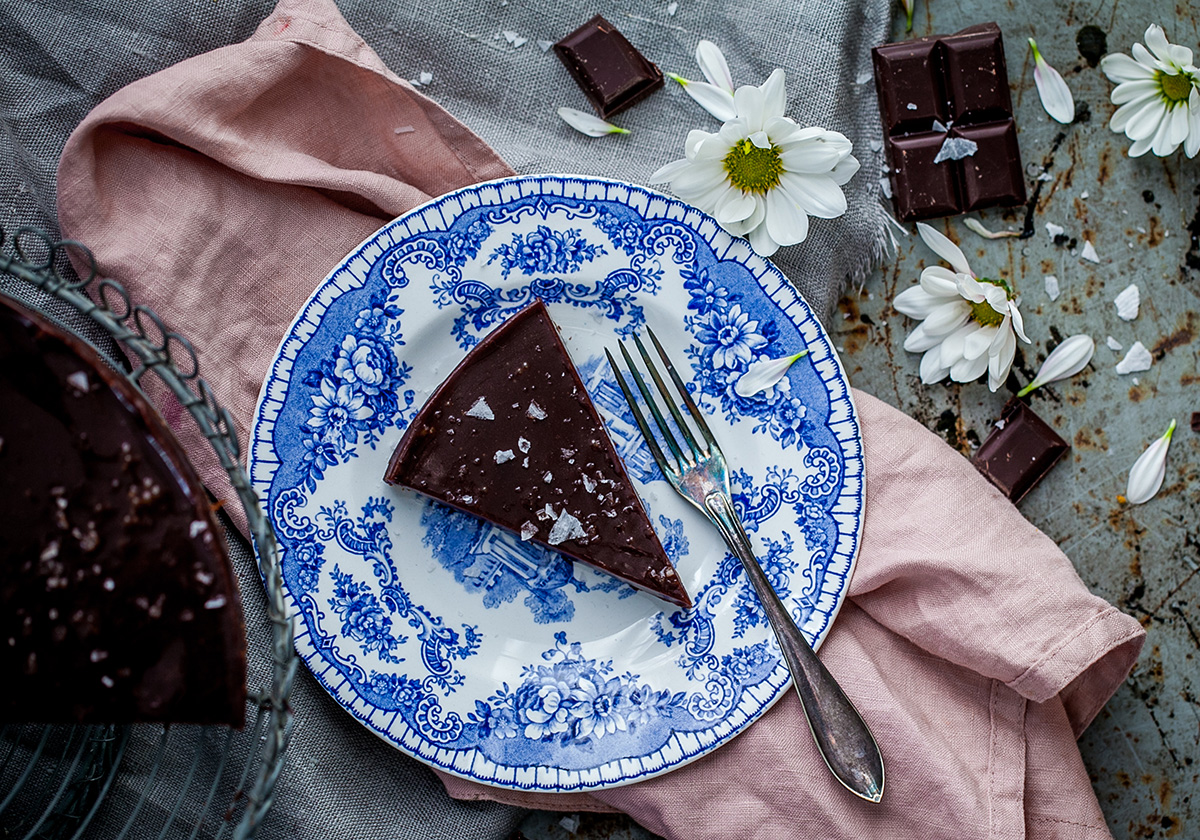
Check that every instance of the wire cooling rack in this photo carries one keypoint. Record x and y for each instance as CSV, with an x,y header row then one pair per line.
x,y
148,780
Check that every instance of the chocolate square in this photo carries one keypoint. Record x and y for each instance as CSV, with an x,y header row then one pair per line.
x,y
961,81
1020,450
609,69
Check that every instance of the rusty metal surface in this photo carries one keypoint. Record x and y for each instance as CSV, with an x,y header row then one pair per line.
x,y
1143,218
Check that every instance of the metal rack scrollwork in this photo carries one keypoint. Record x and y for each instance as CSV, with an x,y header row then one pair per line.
x,y
56,780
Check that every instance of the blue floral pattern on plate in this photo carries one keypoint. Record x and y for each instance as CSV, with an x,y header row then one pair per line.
x,y
500,661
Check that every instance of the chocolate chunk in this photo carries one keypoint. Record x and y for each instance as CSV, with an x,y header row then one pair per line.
x,y
957,82
1020,450
1196,421
612,73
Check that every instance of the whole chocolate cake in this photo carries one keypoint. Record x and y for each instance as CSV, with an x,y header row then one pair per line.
x,y
512,436
118,602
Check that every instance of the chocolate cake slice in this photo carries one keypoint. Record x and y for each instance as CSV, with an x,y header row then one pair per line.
x,y
512,436
118,602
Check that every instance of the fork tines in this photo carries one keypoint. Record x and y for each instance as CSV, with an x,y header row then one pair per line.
x,y
697,450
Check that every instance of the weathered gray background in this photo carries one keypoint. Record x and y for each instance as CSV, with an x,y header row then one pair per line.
x,y
1143,216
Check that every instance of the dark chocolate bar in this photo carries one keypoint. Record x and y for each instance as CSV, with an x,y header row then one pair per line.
x,y
609,69
1020,450
948,87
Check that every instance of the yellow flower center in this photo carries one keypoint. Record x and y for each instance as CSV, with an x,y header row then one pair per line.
x,y
982,313
753,169
1176,88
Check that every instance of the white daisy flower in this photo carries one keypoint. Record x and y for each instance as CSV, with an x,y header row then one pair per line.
x,y
761,176
1158,96
968,324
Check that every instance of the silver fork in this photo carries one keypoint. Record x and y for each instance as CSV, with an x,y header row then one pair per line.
x,y
697,470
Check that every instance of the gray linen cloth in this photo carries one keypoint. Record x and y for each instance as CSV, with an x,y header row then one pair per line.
x,y
486,63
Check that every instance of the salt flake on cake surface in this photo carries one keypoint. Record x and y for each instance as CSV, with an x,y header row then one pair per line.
x,y
535,412
566,527
481,410
504,455
523,444
1127,302
1137,359
528,531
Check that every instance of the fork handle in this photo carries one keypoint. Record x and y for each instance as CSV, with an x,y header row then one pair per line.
x,y
842,737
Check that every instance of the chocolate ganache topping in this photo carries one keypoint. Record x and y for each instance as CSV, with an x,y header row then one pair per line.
x,y
118,602
512,436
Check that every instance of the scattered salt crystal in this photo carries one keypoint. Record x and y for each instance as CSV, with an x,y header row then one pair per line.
x,y
1054,230
215,603
876,145
79,380
545,46
1051,287
98,655
672,8
1113,344
1001,423
1089,251
937,126
588,484
566,527
204,577
109,584
912,106
547,512
570,824
425,78
863,77
528,531
1045,176
1135,380
1083,194
523,444
481,410
548,477
956,148
467,499
886,186
199,526
504,455
107,680
1138,358
513,38
405,129
567,453
535,412
50,551
1127,302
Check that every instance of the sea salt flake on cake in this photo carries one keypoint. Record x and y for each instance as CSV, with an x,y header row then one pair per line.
x,y
481,410
215,603
566,527
535,412
528,531
588,484
79,381
956,148
523,444
548,477
504,455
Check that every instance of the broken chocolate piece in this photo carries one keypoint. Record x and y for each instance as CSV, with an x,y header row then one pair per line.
x,y
608,68
118,602
1020,450
517,391
958,82
1196,421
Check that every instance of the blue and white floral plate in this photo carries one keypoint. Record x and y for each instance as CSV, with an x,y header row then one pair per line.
x,y
490,658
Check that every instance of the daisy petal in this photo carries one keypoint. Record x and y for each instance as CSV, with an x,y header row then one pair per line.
x,y
761,241
1000,358
819,195
1132,91
736,207
1018,322
919,341
1055,95
931,367
811,157
946,318
917,303
668,171
786,222
941,281
944,248
589,124
748,100
968,370
1121,68
952,345
774,91
711,98
978,342
714,67
845,170
1156,41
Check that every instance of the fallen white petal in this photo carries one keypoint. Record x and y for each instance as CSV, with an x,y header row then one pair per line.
x,y
711,98
1056,96
977,226
1138,358
713,66
764,374
1148,471
944,248
1089,252
1127,302
589,124
1064,361
1113,344
1051,287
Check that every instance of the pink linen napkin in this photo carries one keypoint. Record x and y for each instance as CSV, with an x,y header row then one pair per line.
x,y
220,191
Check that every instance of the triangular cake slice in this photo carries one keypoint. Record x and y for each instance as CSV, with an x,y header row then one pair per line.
x,y
512,437
118,602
